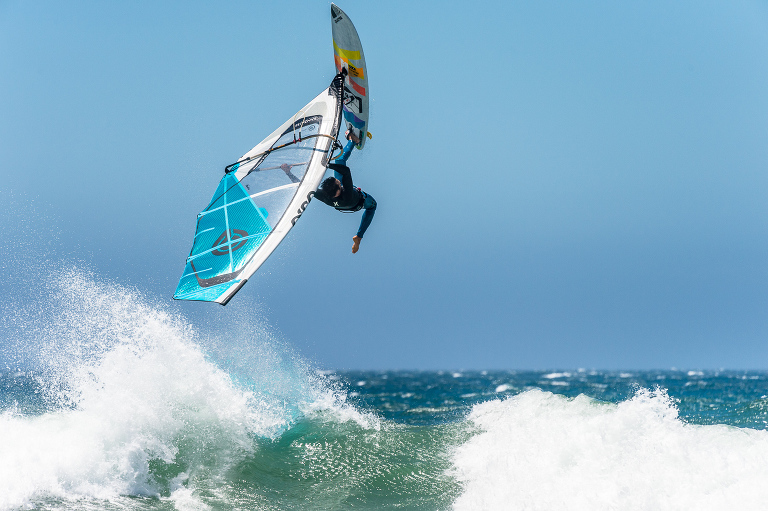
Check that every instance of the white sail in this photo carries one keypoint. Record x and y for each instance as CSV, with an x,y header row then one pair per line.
x,y
259,199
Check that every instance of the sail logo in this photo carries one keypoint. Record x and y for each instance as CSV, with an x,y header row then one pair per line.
x,y
302,208
236,238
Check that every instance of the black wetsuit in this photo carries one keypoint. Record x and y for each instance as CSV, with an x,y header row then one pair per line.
x,y
351,198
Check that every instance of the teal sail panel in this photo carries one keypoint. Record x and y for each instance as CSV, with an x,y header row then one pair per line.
x,y
228,232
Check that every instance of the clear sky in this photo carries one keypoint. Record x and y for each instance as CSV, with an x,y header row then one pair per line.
x,y
560,184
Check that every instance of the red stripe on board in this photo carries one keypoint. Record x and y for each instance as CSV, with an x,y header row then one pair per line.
x,y
359,88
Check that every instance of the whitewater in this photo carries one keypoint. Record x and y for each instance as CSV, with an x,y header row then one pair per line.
x,y
110,400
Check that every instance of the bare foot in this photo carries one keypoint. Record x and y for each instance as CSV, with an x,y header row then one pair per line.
x,y
356,244
354,138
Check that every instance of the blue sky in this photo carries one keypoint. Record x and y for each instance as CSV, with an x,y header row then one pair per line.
x,y
560,184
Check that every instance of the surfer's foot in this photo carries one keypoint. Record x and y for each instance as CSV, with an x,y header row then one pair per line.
x,y
354,138
356,244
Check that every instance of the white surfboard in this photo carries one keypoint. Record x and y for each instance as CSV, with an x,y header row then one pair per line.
x,y
348,54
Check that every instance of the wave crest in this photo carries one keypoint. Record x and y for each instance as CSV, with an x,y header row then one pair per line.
x,y
539,450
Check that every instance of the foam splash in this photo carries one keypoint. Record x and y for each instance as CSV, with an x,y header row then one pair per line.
x,y
541,451
138,406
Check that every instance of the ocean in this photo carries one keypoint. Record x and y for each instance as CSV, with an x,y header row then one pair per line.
x,y
111,402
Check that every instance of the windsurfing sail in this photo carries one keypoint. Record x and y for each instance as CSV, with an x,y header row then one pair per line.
x,y
348,54
259,199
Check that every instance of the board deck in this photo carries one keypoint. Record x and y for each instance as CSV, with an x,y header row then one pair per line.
x,y
348,53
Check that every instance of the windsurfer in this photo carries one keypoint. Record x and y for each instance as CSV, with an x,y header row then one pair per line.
x,y
339,192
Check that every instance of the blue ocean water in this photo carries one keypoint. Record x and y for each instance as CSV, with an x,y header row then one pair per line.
x,y
122,405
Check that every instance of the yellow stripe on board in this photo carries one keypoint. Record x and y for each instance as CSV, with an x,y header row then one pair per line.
x,y
347,54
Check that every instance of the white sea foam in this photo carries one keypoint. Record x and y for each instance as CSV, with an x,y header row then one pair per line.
x,y
557,375
136,389
541,451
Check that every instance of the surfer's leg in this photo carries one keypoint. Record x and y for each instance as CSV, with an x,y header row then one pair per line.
x,y
370,210
346,153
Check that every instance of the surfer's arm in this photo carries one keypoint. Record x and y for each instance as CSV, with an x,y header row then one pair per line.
x,y
368,212
344,172
342,160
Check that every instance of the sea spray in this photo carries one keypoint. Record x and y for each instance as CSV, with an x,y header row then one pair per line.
x,y
121,403
137,404
540,451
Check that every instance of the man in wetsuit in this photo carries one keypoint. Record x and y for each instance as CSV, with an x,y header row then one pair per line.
x,y
339,192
